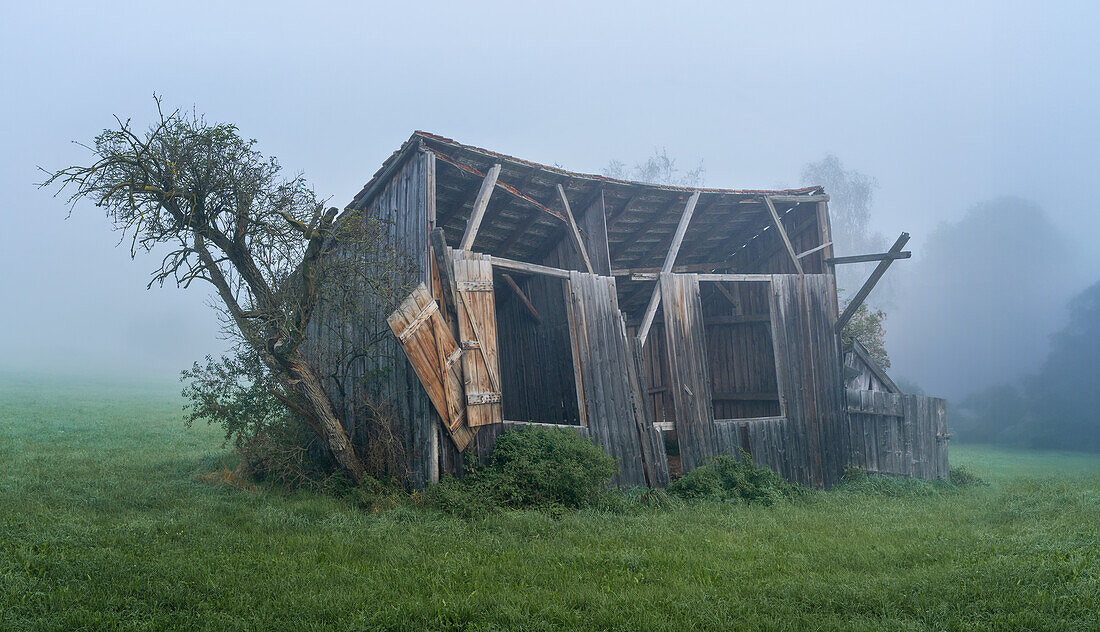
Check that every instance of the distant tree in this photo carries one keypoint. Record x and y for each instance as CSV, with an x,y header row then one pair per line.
x,y
657,169
1055,408
851,195
222,213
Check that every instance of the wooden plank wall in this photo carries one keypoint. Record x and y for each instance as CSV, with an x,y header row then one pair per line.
x,y
385,376
688,379
605,359
808,360
741,359
536,360
764,438
899,434
767,254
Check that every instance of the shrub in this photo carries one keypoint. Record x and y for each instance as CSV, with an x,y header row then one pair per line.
x,y
962,477
734,480
531,468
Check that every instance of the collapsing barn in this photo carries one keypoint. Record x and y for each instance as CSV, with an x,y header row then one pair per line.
x,y
633,313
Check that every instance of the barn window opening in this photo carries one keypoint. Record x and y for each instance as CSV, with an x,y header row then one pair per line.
x,y
740,350
538,373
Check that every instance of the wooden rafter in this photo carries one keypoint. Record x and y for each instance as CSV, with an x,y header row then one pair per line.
x,y
480,204
869,285
643,226
882,256
670,260
574,232
663,245
783,233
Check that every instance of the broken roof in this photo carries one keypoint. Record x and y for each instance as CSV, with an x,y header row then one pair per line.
x,y
525,220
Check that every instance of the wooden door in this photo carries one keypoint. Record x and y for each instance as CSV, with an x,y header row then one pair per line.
x,y
434,355
477,332
609,386
688,377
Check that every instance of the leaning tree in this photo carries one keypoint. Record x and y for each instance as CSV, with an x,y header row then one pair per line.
x,y
220,212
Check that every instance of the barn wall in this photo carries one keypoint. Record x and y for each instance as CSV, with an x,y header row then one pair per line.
x,y
384,377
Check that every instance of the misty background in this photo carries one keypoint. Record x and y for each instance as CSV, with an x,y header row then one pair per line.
x,y
975,123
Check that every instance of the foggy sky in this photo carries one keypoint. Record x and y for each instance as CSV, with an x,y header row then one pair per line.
x,y
946,105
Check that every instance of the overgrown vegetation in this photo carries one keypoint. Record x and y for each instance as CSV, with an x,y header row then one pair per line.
x,y
530,468
218,213
105,524
730,479
868,327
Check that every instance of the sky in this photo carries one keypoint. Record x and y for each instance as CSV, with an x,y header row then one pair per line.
x,y
946,104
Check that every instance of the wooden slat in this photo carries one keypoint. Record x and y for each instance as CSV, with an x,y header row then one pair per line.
x,y
670,261
783,234
480,204
574,233
434,355
689,379
883,256
869,285
477,330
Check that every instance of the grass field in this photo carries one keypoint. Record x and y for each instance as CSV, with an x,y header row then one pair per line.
x,y
105,524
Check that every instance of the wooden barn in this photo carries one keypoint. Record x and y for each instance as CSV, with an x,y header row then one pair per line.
x,y
653,319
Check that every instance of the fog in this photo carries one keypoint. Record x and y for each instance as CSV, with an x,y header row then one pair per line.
x,y
951,108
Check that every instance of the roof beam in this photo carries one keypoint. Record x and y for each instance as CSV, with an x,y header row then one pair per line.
x,y
783,233
664,243
869,285
670,259
480,204
803,255
574,232
883,256
642,227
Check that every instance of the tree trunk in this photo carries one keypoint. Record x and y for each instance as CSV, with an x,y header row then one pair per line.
x,y
306,383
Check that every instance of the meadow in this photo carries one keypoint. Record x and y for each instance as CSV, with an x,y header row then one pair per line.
x,y
109,519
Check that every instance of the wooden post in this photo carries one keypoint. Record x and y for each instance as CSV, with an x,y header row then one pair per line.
x,y
574,233
480,204
869,285
670,260
783,234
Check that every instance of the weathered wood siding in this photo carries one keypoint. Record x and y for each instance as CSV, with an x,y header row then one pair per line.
x,y
808,362
741,359
764,438
384,376
688,377
898,434
608,385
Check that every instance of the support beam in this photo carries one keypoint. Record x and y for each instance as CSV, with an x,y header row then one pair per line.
x,y
528,268
480,204
574,232
882,256
869,285
803,255
783,234
721,277
522,297
670,260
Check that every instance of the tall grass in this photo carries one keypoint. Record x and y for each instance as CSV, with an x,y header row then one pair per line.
x,y
108,520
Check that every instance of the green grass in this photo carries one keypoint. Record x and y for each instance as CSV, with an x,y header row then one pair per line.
x,y
104,524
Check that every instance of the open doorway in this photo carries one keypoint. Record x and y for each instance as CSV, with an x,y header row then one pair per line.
x,y
538,372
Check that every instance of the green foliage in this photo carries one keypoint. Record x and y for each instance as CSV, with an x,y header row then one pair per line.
x,y
239,394
734,480
961,476
530,468
867,326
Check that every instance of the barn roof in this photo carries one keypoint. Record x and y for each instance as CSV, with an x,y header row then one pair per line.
x,y
526,220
